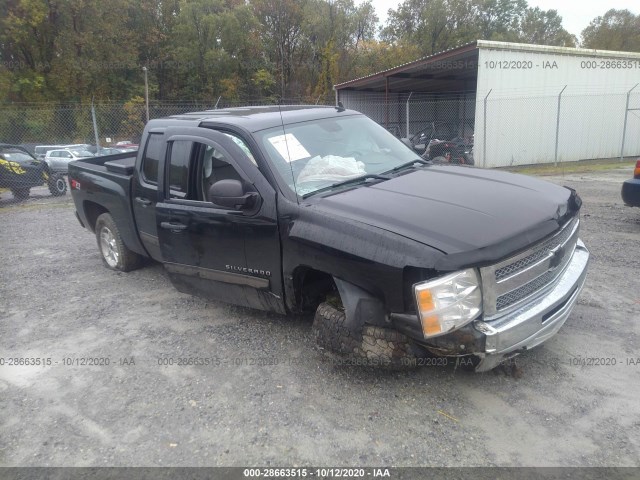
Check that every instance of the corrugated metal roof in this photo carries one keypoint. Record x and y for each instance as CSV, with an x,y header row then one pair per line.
x,y
374,80
526,47
411,65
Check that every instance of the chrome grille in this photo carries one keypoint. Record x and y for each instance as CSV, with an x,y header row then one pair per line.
x,y
514,296
509,283
540,252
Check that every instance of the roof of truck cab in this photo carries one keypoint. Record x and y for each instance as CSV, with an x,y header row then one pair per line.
x,y
259,118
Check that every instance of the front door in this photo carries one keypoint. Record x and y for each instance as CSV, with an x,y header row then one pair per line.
x,y
204,245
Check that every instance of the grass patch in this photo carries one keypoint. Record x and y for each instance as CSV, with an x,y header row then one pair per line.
x,y
583,166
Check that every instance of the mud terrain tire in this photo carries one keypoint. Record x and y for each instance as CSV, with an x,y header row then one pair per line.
x,y
375,346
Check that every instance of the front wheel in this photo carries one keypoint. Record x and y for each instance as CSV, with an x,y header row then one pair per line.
x,y
20,193
372,345
115,253
57,185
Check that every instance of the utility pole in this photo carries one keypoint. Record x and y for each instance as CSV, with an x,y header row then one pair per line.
x,y
146,90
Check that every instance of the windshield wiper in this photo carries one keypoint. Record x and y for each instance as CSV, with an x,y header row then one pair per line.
x,y
362,178
408,164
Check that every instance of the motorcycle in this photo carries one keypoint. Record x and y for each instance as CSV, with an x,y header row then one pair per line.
x,y
455,151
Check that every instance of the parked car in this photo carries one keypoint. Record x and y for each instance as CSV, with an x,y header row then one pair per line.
x,y
58,160
41,150
631,188
302,209
112,151
129,146
20,171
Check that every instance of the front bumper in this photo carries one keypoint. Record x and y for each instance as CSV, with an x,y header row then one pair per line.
x,y
502,338
631,192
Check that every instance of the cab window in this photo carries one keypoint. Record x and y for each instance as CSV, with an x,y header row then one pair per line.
x,y
152,153
194,167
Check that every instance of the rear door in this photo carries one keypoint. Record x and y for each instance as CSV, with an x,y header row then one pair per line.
x,y
218,252
145,192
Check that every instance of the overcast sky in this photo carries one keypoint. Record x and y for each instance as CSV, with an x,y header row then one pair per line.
x,y
576,15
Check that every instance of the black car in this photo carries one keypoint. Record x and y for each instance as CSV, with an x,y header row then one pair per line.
x,y
631,188
20,171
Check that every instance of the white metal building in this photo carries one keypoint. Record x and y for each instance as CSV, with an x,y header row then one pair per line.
x,y
524,104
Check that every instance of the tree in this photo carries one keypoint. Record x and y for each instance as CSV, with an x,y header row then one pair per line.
x,y
545,28
615,30
212,49
27,47
333,32
438,25
498,19
282,34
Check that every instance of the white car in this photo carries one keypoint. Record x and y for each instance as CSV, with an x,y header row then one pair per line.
x,y
58,160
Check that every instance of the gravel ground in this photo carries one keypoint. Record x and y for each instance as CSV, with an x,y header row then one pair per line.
x,y
268,396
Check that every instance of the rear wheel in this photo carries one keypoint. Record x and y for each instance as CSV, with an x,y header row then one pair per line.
x,y
115,253
57,185
372,345
20,193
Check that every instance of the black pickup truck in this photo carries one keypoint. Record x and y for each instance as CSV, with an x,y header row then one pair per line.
x,y
303,209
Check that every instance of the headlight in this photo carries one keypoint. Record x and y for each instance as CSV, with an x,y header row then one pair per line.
x,y
448,303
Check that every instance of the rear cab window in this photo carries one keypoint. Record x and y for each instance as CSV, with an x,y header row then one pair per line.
x,y
153,152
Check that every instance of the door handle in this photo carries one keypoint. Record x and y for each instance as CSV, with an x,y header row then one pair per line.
x,y
143,201
173,226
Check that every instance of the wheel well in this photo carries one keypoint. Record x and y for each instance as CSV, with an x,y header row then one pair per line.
x,y
312,288
92,211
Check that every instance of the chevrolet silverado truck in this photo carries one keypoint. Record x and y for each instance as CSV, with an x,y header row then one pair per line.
x,y
320,209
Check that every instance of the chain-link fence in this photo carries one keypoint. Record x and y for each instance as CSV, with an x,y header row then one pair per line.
x,y
409,114
54,124
556,128
502,130
514,129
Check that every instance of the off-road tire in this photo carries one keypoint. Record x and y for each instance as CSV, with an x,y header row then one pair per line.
x,y
124,259
20,193
375,346
440,159
57,185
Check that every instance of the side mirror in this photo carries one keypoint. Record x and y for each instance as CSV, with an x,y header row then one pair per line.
x,y
229,193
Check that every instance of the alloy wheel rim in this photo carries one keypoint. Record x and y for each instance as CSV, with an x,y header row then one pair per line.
x,y
109,247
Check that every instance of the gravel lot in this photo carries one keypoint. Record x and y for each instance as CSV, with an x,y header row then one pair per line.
x,y
58,302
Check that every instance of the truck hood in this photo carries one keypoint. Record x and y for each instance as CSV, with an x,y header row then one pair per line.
x,y
470,214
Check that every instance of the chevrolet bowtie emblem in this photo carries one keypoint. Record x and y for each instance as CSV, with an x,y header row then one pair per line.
x,y
556,258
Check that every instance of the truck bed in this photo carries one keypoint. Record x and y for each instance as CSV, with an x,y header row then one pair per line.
x,y
105,184
120,163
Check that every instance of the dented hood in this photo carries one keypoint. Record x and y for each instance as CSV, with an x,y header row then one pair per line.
x,y
467,213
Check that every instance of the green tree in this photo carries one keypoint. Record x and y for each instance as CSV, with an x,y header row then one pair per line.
x,y
615,30
28,29
281,22
545,28
213,48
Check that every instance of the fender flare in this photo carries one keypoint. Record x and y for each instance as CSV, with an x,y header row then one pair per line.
x,y
360,307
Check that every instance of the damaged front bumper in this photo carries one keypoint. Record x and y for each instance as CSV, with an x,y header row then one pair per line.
x,y
502,338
